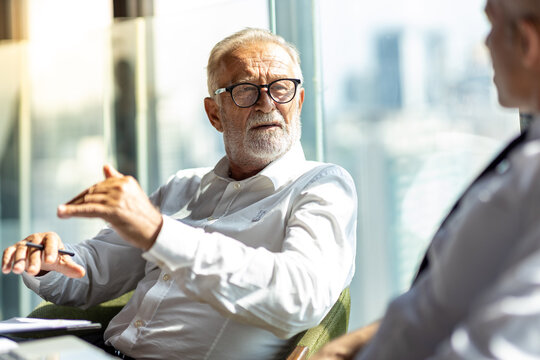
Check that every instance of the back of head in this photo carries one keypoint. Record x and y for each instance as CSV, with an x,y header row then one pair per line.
x,y
241,39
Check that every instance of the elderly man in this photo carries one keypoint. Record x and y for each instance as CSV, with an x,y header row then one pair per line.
x,y
226,263
479,293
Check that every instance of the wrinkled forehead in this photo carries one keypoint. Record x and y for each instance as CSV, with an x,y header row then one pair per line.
x,y
266,61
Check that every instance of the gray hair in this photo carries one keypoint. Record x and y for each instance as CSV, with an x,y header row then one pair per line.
x,y
241,39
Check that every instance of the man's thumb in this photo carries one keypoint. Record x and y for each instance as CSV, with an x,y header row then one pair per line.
x,y
72,269
109,172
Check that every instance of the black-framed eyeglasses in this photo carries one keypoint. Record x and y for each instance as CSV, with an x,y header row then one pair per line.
x,y
245,95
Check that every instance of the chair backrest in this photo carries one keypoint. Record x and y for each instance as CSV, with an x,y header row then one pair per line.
x,y
333,325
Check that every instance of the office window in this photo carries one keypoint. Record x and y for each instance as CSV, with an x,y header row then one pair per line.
x,y
87,89
412,113
52,125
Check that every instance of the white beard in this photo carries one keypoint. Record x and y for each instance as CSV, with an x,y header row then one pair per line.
x,y
259,147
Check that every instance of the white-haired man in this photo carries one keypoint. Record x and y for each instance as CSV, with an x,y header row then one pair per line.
x,y
477,296
226,263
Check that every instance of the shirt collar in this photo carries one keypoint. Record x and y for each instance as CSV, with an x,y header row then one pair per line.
x,y
282,170
279,171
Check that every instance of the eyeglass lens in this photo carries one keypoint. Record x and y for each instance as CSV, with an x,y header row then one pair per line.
x,y
281,91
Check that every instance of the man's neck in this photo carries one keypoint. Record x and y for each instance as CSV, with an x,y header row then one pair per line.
x,y
240,173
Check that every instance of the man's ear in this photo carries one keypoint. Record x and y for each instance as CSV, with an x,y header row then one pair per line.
x,y
530,43
213,113
301,96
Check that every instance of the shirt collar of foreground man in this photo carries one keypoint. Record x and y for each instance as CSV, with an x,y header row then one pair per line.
x,y
239,259
478,299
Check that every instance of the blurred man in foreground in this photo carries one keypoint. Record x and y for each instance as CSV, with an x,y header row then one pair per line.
x,y
478,293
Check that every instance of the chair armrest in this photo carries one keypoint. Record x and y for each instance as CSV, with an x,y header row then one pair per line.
x,y
333,325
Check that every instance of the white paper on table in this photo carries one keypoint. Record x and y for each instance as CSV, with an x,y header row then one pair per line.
x,y
22,324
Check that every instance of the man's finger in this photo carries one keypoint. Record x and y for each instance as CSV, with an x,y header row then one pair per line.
x,y
19,261
109,172
70,268
50,250
33,262
7,259
78,199
85,210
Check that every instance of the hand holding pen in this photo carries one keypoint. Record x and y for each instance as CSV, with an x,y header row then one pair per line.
x,y
40,253
41,247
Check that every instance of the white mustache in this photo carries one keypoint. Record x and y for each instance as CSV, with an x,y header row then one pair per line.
x,y
259,119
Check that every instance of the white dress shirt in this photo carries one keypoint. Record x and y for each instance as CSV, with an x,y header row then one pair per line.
x,y
238,268
480,297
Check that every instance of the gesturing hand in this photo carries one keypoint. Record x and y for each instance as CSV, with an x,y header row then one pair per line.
x,y
121,202
19,257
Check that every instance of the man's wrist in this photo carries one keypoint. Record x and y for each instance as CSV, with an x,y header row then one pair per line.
x,y
154,236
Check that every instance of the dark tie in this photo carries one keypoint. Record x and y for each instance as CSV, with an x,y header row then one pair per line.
x,y
492,166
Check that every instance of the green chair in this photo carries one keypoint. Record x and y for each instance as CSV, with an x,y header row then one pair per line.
x,y
102,313
333,325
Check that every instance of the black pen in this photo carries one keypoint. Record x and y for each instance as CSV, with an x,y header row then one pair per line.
x,y
40,247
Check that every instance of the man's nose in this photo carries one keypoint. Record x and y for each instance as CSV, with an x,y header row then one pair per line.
x,y
265,102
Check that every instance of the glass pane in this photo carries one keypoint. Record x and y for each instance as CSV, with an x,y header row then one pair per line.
x,y
129,93
412,113
186,138
51,124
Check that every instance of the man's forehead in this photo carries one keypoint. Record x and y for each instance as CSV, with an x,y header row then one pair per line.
x,y
254,60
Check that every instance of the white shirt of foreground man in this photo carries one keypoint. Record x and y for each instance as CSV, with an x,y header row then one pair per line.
x,y
479,298
246,255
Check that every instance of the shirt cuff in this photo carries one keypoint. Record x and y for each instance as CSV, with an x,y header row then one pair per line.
x,y
175,246
34,282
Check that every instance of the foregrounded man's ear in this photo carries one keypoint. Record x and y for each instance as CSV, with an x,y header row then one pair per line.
x,y
212,111
529,41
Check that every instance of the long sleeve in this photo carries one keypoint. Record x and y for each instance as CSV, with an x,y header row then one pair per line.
x,y
113,267
282,269
504,324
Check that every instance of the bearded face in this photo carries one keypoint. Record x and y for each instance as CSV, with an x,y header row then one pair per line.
x,y
256,135
265,137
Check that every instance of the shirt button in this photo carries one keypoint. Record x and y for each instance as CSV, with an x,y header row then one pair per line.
x,y
166,277
237,186
211,218
138,323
